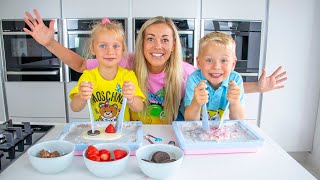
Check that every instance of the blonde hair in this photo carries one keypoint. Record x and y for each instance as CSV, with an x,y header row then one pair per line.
x,y
173,70
219,38
112,26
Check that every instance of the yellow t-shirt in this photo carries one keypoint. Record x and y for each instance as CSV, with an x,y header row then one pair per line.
x,y
106,99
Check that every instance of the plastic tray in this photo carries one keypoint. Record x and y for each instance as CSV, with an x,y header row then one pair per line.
x,y
192,139
131,135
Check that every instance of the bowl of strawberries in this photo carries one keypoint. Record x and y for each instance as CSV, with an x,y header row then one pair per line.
x,y
106,159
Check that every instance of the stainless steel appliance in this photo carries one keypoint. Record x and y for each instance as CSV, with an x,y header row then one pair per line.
x,y
77,33
186,32
15,139
24,58
247,35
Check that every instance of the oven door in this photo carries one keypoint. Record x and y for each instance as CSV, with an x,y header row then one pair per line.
x,y
247,53
77,42
27,60
187,41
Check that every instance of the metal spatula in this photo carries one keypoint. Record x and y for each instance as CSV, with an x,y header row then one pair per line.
x,y
222,117
93,131
205,120
119,122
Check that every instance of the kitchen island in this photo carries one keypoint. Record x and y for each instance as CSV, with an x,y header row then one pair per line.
x,y
270,162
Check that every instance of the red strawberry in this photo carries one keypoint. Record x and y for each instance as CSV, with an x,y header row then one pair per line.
x,y
110,129
92,151
119,154
94,158
104,155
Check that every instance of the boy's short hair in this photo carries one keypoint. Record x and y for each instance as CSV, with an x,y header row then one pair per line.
x,y
218,37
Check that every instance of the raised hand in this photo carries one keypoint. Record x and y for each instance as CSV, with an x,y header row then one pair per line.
x,y
128,91
85,90
39,31
234,92
272,82
201,95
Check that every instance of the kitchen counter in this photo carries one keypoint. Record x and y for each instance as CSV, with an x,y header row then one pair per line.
x,y
270,162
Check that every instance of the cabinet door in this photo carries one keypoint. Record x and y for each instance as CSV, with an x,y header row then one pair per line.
x,y
15,9
35,99
252,103
36,120
74,116
95,8
234,9
169,8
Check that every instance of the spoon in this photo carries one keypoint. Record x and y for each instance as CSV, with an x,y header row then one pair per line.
x,y
222,117
119,122
156,139
205,121
91,117
93,131
204,114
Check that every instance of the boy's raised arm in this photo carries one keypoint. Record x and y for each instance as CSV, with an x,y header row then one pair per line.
x,y
45,36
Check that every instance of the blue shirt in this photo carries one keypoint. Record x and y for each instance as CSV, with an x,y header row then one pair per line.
x,y
216,105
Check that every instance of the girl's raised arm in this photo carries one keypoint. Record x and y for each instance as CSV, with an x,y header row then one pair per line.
x,y
45,36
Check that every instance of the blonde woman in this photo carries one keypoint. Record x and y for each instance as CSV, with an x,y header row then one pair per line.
x,y
157,61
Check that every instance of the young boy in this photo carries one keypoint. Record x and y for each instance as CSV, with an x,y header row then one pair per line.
x,y
215,82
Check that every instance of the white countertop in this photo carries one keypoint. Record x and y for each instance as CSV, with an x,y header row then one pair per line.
x,y
271,162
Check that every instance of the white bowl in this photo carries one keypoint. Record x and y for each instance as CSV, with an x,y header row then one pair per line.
x,y
107,168
159,170
51,165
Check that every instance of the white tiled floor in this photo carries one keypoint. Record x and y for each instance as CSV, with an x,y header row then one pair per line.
x,y
312,170
301,158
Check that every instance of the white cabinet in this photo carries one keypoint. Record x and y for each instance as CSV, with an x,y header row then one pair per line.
x,y
15,9
234,9
252,103
74,116
251,108
95,8
288,115
168,8
36,100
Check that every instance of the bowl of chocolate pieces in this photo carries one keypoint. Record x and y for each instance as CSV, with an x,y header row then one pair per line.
x,y
51,157
159,161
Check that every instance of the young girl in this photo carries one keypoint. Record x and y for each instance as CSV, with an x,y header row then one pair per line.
x,y
108,83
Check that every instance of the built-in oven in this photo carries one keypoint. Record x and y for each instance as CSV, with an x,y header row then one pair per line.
x,y
247,35
24,58
186,32
77,33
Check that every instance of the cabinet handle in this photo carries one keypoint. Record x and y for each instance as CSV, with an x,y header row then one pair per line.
x,y
33,72
249,74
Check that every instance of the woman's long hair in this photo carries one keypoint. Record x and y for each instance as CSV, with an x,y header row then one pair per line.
x,y
173,70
